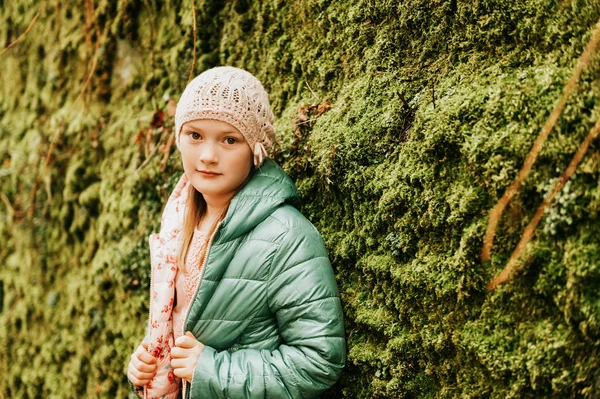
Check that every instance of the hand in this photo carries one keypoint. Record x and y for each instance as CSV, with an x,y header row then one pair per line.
x,y
185,355
142,366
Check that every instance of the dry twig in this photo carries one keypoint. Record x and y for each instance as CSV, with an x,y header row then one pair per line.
x,y
512,263
166,152
194,30
151,155
496,212
18,39
312,91
9,208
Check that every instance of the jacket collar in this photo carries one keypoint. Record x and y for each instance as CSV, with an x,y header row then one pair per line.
x,y
268,188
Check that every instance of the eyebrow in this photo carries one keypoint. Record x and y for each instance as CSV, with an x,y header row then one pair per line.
x,y
197,129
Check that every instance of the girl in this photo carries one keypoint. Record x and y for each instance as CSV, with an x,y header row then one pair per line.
x,y
243,301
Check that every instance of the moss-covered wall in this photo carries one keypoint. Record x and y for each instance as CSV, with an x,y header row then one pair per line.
x,y
435,105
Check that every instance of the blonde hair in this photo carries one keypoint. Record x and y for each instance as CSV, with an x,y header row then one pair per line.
x,y
195,210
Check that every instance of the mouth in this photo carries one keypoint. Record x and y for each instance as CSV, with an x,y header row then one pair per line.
x,y
207,173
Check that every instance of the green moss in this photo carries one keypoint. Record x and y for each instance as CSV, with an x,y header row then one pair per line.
x,y
435,106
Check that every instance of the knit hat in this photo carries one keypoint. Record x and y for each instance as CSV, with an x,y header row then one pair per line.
x,y
234,96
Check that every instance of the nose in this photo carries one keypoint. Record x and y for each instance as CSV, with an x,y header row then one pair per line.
x,y
208,153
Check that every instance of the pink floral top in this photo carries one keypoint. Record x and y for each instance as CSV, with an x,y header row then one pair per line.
x,y
187,283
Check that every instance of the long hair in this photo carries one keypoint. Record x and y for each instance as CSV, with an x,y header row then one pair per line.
x,y
195,210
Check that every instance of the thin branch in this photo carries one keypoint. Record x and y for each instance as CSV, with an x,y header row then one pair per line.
x,y
18,39
312,91
88,15
194,30
310,120
496,212
148,158
58,20
151,18
151,21
9,207
513,263
31,209
167,152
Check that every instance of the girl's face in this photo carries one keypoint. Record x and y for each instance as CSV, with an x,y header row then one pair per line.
x,y
216,157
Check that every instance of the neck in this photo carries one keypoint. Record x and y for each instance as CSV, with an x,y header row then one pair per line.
x,y
214,209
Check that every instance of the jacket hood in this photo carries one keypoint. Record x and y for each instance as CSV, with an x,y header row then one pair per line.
x,y
268,188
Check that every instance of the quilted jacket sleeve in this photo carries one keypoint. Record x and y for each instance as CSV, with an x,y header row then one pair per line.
x,y
303,295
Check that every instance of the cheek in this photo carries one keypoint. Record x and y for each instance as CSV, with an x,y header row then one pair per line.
x,y
187,156
244,165
188,162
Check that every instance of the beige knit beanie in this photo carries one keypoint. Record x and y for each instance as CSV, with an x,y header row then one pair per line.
x,y
234,96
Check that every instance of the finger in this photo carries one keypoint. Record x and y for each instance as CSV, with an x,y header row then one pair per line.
x,y
134,380
178,363
139,382
139,379
177,352
145,356
185,341
143,377
142,366
179,372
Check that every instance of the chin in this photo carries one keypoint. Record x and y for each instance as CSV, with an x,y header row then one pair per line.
x,y
207,189
203,188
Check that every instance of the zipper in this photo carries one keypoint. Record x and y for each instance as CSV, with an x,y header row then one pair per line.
x,y
150,305
187,312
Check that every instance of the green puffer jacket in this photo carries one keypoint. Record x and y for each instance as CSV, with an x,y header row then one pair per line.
x,y
267,308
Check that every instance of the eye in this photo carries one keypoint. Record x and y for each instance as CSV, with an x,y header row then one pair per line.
x,y
231,140
195,136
